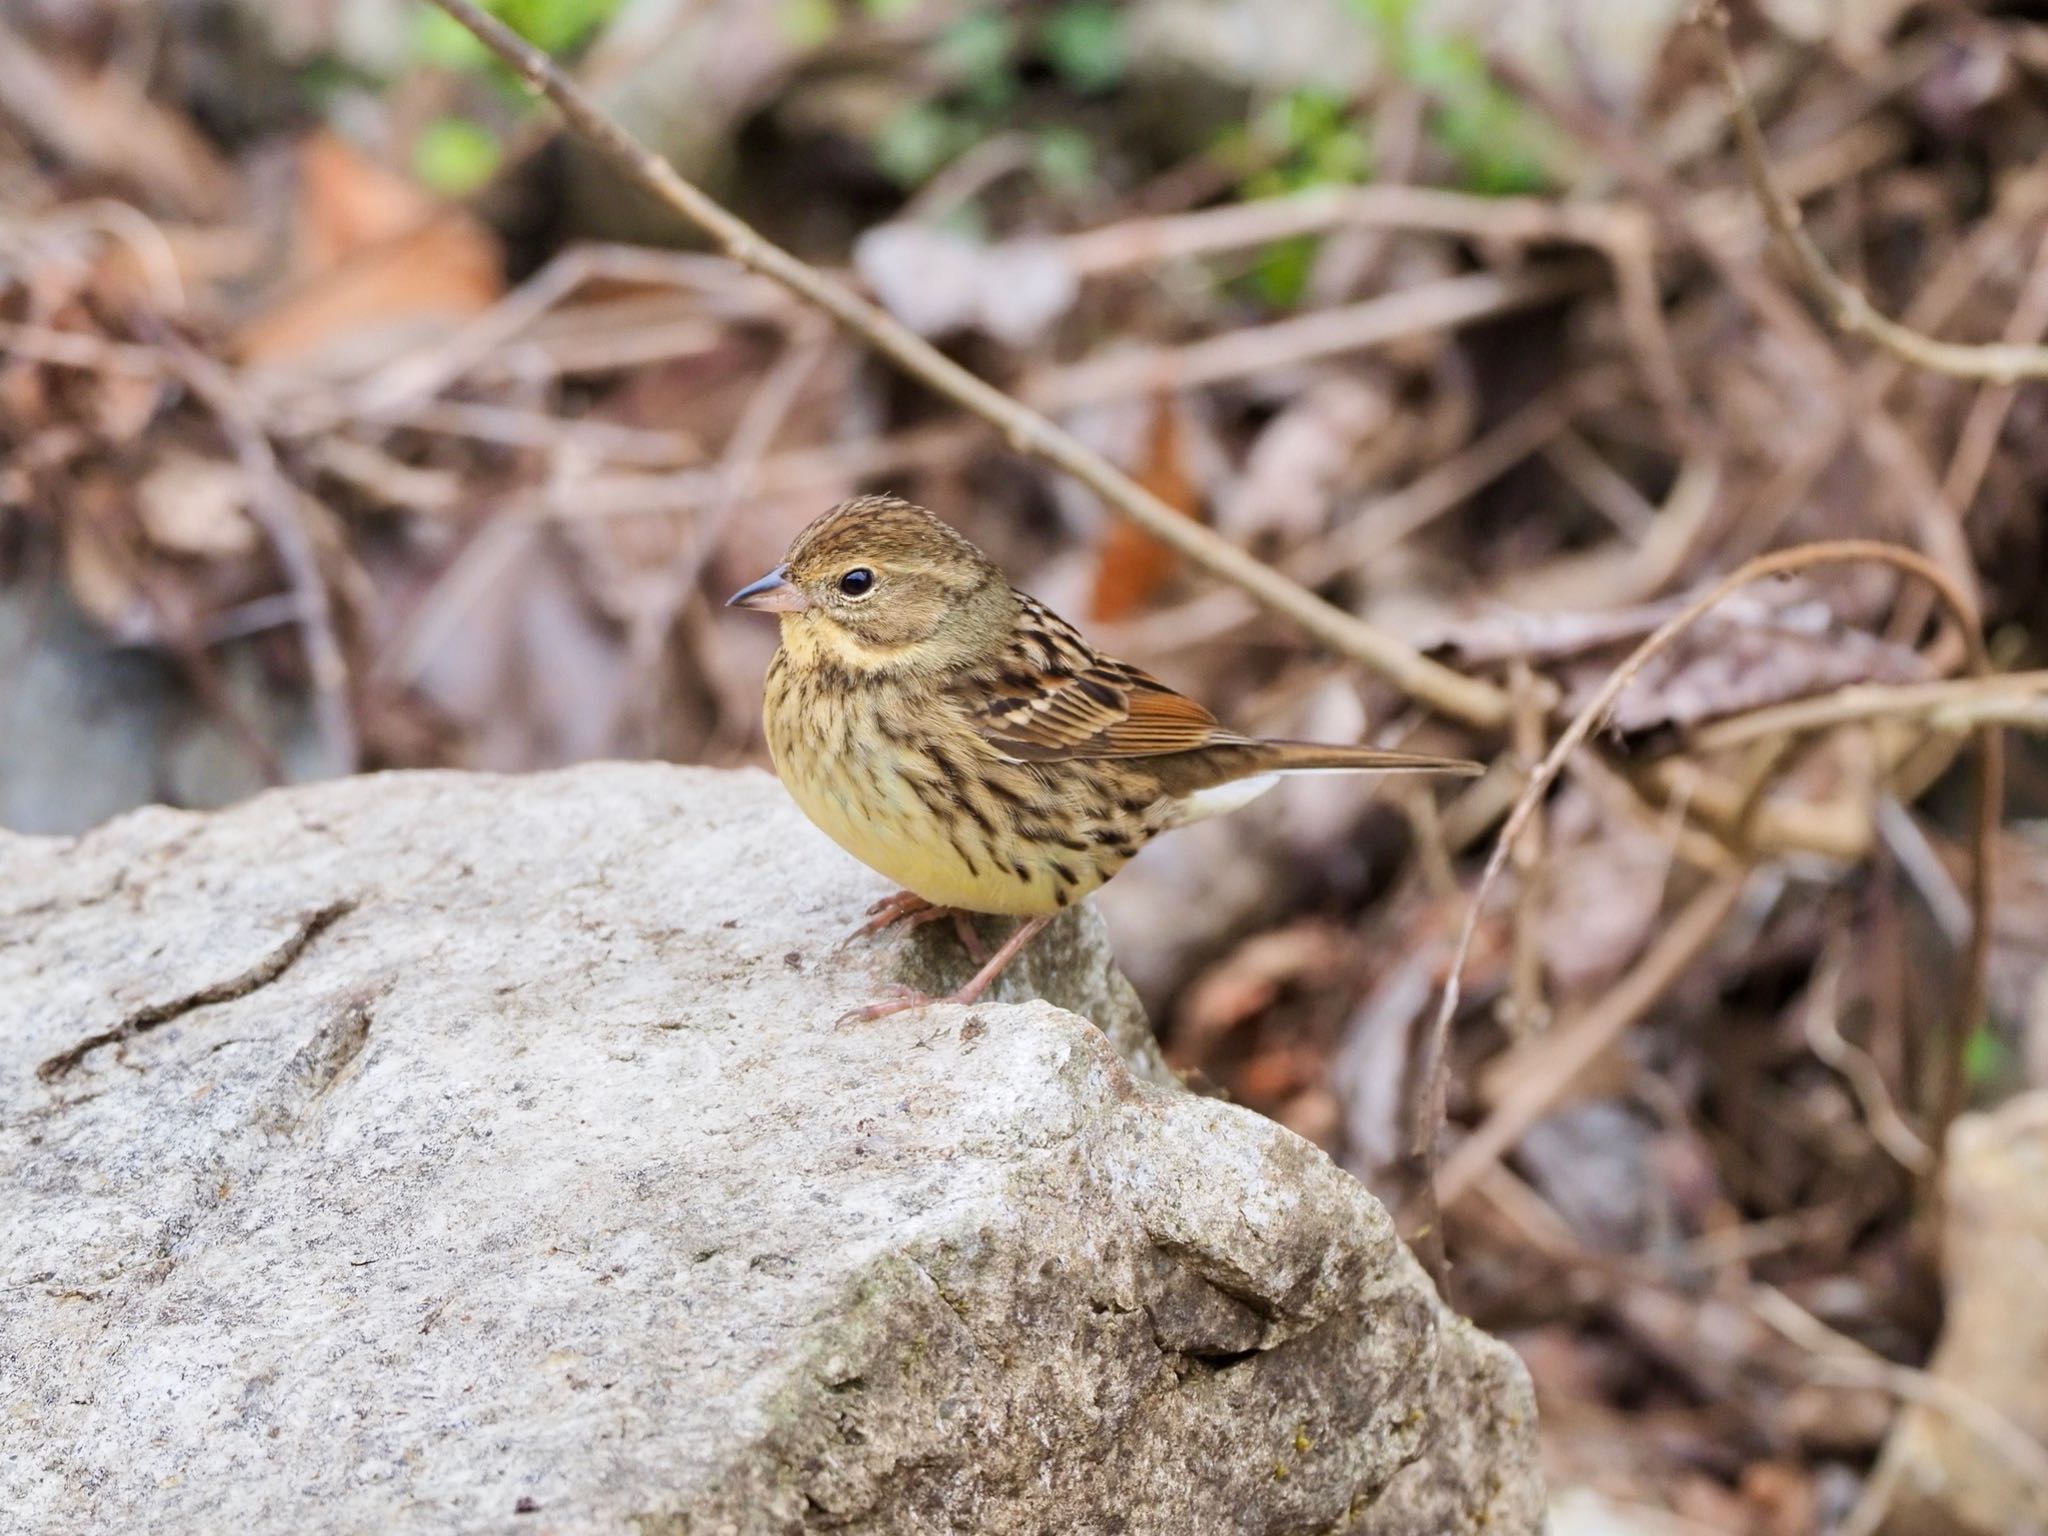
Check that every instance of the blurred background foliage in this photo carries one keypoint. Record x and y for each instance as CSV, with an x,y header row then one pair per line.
x,y
353,418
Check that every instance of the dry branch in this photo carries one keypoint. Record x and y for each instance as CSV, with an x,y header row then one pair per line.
x,y
1428,1105
1847,305
2018,699
1027,432
274,503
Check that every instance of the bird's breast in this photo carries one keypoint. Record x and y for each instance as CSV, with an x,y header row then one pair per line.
x,y
895,776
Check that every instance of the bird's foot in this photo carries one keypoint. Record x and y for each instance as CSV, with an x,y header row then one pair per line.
x,y
913,911
902,999
891,910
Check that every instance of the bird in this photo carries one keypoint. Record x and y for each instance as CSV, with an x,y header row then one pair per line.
x,y
967,743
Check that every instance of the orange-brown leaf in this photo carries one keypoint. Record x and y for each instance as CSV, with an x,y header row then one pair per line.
x,y
1132,565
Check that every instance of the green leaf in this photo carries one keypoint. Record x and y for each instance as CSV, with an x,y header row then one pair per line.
x,y
553,26
979,47
455,156
890,10
1342,155
806,24
1281,274
441,42
1085,43
1064,158
917,141
1987,1060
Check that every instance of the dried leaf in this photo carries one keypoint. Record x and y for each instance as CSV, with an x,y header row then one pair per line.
x,y
1132,565
196,506
1250,978
1723,668
1508,635
1302,459
1758,647
1603,884
937,282
382,267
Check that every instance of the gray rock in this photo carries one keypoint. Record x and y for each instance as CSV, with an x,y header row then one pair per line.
x,y
89,728
435,1152
1971,1463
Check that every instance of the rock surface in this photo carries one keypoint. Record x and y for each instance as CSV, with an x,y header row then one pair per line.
x,y
1980,1471
447,1153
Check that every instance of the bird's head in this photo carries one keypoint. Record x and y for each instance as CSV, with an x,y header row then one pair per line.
x,y
879,584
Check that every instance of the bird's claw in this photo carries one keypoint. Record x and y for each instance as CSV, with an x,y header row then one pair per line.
x,y
900,999
890,910
913,911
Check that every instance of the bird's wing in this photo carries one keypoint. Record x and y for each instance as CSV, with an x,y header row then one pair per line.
x,y
1050,698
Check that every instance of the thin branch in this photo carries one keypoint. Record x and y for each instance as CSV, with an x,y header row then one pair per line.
x,y
1568,1049
274,503
1149,242
77,349
2018,699
1832,1356
1847,306
1424,309
1819,1020
1026,431
1528,1013
1428,1119
1891,451
1858,1362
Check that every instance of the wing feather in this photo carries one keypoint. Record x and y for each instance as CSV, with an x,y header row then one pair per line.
x,y
1051,697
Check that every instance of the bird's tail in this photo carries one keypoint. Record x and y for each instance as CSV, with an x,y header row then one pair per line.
x,y
1316,756
1223,776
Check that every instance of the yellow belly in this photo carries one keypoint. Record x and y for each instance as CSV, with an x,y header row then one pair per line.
x,y
898,838
862,791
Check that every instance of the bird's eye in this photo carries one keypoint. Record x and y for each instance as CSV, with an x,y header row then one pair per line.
x,y
857,582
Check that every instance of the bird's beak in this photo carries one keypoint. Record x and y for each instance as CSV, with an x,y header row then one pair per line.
x,y
773,593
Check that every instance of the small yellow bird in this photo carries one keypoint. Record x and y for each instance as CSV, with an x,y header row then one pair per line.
x,y
966,742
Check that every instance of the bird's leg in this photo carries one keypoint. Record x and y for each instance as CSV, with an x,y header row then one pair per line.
x,y
998,962
971,992
963,930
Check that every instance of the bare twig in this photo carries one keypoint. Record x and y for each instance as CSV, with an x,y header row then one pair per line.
x,y
791,474
1383,522
1421,310
1852,1360
1527,1013
274,503
1846,304
1993,405
1625,234
1890,449
1428,1119
1148,242
1818,1020
417,376
1025,430
606,442
77,349
760,420
1831,1356
143,236
1571,1047
1959,704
